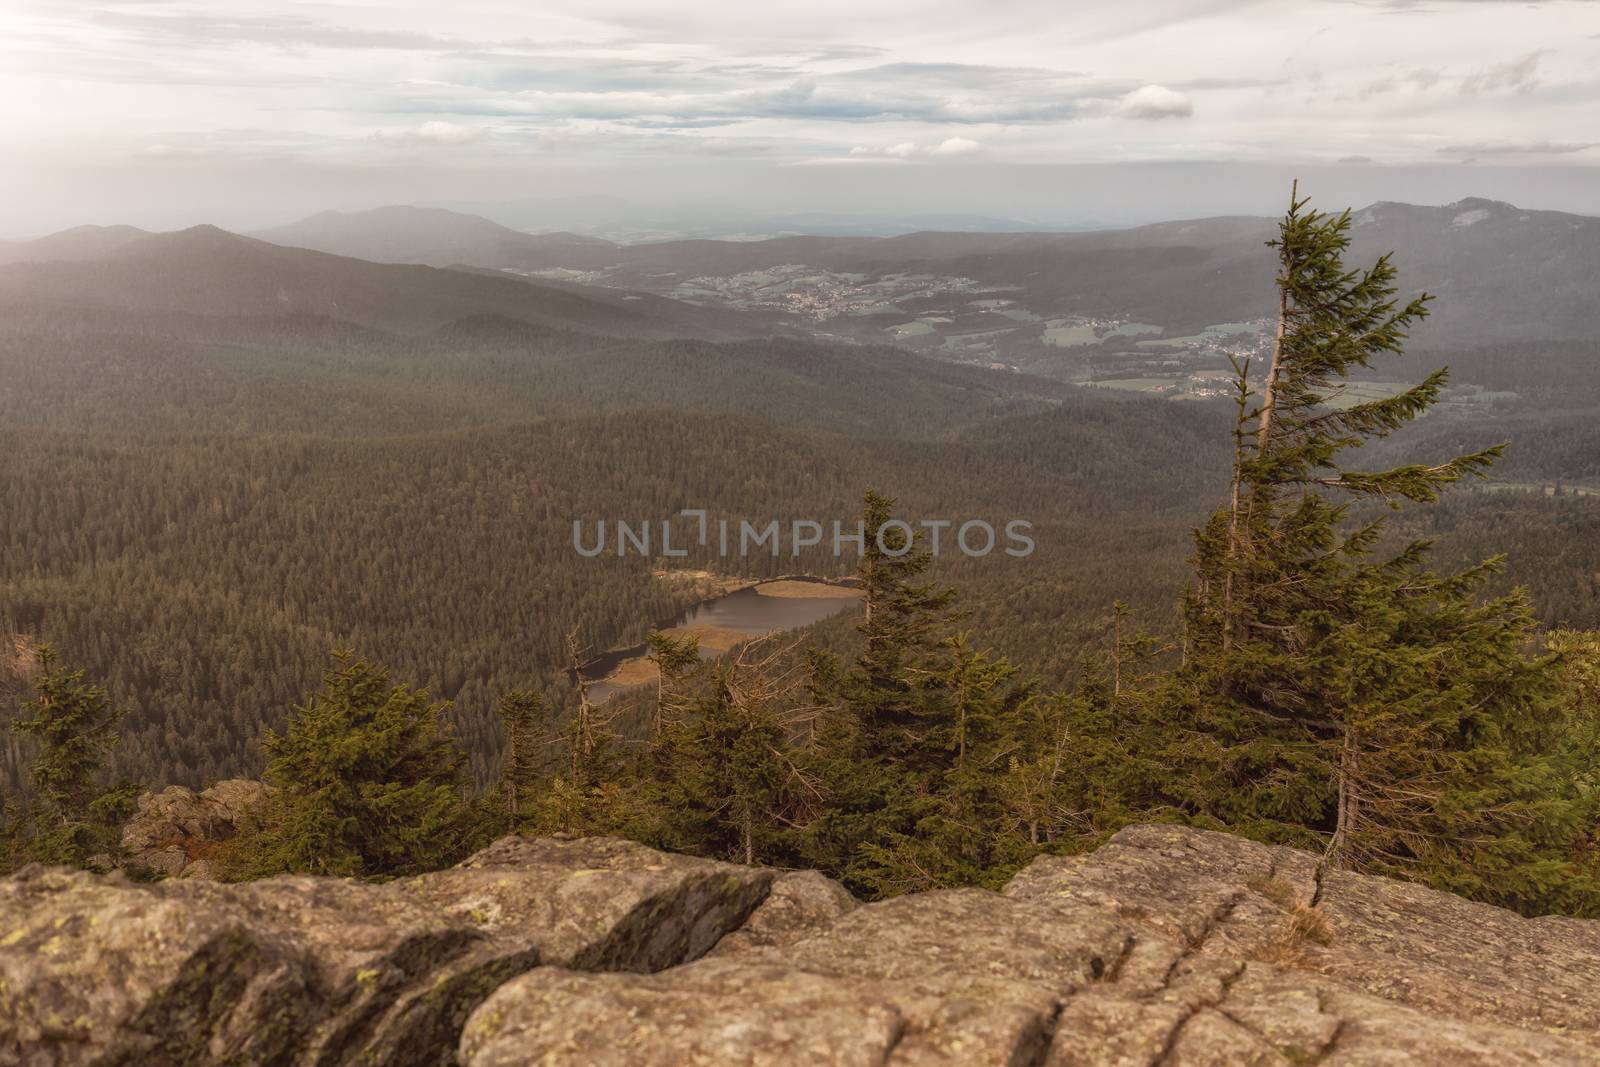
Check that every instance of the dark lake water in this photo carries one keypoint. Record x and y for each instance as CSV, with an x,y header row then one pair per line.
x,y
745,611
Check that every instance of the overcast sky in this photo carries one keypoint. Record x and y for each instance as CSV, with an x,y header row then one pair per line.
x,y
246,112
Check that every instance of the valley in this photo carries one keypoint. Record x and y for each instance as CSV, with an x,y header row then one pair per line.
x,y
960,320
222,457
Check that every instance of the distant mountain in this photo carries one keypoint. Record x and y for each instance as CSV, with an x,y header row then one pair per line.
x,y
1501,272
593,214
432,236
618,220
80,242
207,271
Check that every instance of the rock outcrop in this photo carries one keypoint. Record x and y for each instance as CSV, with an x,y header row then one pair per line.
x,y
175,832
1165,946
299,970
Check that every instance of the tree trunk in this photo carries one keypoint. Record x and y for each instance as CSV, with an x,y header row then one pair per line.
x,y
747,835
1240,417
1269,397
1347,809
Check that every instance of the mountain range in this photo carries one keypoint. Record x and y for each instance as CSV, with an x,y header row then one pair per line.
x,y
1500,272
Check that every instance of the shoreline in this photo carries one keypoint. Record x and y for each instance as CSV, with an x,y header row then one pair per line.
x,y
637,670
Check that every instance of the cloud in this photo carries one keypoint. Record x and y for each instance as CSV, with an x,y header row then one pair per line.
x,y
1154,102
416,89
432,132
1424,5
905,150
686,99
1521,75
192,30
1419,80
1355,159
1518,148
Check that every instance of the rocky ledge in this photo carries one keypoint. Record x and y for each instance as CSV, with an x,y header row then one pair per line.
x,y
1165,946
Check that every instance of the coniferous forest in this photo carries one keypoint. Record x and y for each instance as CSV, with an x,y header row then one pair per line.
x,y
341,559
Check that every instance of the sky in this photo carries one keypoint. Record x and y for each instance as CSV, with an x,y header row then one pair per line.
x,y
248,113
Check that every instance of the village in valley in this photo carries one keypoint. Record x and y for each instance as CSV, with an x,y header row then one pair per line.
x,y
965,321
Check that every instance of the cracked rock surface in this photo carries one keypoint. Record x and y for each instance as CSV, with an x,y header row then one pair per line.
x,y
1165,946
299,970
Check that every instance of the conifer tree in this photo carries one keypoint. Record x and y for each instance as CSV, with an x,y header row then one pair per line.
x,y
874,750
730,773
674,658
1577,655
1336,694
525,756
903,619
957,828
729,776
73,816
370,782
592,789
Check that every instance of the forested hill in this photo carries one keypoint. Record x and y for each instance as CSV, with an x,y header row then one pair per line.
x,y
433,236
206,577
80,242
208,271
98,367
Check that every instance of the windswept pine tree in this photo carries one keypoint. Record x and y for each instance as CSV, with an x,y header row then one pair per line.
x,y
1337,691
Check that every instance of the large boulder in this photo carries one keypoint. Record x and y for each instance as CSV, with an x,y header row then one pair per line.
x,y
176,831
1165,946
300,970
800,904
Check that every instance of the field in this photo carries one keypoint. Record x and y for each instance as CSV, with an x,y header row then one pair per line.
x,y
1355,393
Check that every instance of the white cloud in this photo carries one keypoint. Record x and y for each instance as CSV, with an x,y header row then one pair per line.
x,y
438,132
432,132
1154,102
904,150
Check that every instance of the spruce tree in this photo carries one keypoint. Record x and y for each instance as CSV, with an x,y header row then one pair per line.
x,y
1338,694
593,789
370,782
957,827
73,816
875,749
524,758
728,778
675,658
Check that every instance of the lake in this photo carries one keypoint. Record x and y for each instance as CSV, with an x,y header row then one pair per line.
x,y
721,623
